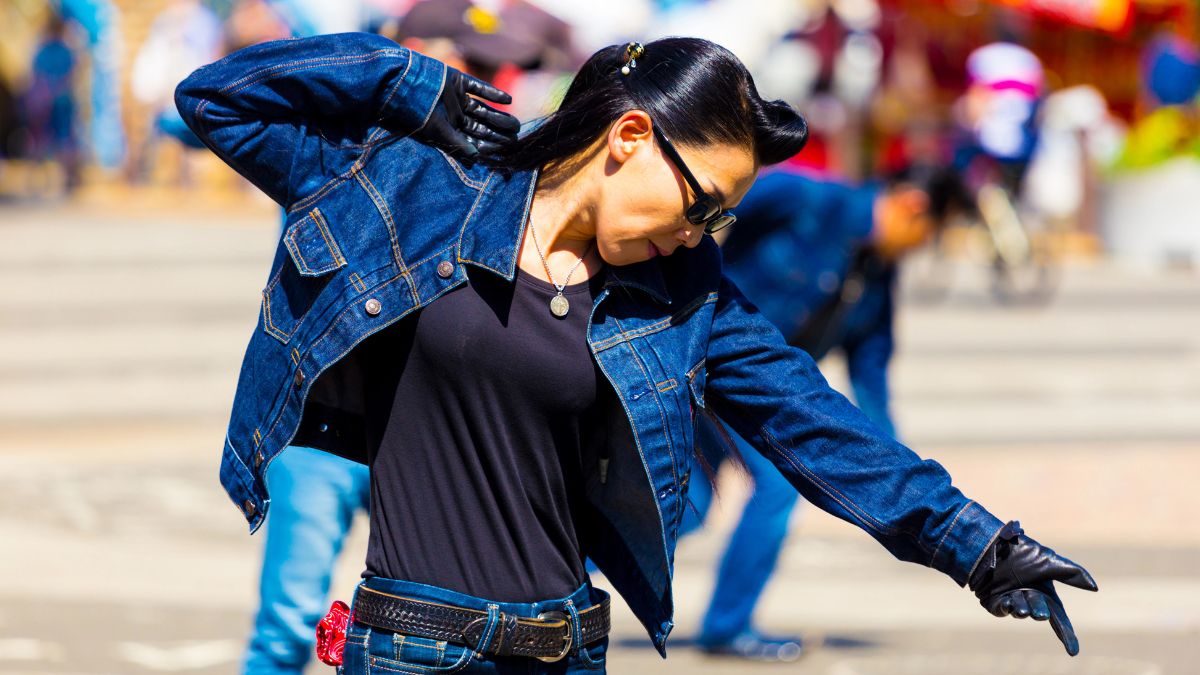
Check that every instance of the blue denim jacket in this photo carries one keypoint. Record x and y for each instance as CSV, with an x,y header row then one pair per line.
x,y
380,224
794,242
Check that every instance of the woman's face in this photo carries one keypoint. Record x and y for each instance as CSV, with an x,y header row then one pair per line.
x,y
642,211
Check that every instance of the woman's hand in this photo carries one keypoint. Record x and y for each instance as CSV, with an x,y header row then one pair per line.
x,y
462,124
1016,578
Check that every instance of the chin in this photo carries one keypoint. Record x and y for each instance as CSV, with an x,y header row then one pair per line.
x,y
624,253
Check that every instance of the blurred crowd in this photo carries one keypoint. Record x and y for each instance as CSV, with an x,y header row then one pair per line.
x,y
886,84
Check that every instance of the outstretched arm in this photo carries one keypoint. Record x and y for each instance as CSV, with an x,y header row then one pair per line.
x,y
774,396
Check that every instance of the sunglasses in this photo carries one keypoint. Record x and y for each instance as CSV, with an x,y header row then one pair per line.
x,y
705,210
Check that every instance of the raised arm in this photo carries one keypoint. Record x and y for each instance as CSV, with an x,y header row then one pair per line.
x,y
291,114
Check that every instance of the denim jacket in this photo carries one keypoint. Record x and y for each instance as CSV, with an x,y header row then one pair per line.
x,y
380,225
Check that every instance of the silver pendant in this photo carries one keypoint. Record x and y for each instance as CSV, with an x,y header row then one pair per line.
x,y
559,306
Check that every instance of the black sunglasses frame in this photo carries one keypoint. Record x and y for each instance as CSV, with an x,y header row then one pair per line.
x,y
705,210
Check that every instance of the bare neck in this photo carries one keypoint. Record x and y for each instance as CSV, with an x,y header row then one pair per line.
x,y
563,217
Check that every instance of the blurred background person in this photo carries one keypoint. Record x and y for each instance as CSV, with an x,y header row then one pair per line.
x,y
48,106
184,36
819,260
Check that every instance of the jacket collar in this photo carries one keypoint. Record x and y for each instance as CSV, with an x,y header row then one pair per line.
x,y
492,234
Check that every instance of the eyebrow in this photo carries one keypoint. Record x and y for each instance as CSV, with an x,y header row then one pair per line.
x,y
716,192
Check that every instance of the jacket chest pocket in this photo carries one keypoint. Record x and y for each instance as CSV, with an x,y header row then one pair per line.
x,y
312,257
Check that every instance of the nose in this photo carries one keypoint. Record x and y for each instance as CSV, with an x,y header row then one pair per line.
x,y
690,236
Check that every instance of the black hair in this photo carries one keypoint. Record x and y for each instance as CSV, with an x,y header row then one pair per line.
x,y
698,93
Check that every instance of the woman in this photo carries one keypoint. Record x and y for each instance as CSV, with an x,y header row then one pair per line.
x,y
518,345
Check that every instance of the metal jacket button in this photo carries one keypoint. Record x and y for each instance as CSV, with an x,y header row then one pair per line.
x,y
299,379
445,269
373,307
249,507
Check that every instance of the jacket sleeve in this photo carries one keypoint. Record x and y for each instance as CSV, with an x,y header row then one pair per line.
x,y
290,115
773,396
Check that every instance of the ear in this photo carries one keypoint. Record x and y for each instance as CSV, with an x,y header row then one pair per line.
x,y
630,131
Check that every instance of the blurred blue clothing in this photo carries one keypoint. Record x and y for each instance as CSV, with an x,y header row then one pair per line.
x,y
316,495
795,241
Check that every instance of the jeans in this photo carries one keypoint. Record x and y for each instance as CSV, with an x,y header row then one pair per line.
x,y
375,651
756,542
316,495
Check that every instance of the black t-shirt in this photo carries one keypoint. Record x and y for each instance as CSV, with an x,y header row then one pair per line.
x,y
480,411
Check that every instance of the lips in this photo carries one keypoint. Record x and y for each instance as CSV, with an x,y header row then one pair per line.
x,y
655,251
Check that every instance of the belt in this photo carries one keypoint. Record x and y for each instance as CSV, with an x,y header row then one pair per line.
x,y
547,637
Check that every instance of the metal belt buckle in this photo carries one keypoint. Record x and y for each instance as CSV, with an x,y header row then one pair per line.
x,y
557,616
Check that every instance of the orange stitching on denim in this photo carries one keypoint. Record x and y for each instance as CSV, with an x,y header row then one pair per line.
x,y
431,256
848,504
269,325
357,282
330,242
947,532
467,180
466,221
293,247
382,207
665,386
395,88
330,330
662,415
303,64
257,438
656,326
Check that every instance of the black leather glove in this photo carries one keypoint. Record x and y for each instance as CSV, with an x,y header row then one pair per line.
x,y
1016,578
462,124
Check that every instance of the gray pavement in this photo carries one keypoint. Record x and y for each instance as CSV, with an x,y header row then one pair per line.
x,y
121,335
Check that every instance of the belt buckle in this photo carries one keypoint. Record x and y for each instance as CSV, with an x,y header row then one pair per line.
x,y
557,616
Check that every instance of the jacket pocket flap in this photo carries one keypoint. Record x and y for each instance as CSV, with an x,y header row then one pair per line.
x,y
311,245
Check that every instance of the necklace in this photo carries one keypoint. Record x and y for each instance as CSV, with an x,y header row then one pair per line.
x,y
558,304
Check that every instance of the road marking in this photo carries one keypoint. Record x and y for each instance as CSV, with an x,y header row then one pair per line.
x,y
29,649
190,656
992,664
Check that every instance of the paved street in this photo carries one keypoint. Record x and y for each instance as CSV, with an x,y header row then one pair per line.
x,y
121,334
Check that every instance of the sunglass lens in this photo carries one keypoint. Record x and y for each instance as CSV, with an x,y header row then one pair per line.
x,y
703,210
720,222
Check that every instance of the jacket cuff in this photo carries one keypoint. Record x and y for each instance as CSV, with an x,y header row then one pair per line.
x,y
963,545
412,100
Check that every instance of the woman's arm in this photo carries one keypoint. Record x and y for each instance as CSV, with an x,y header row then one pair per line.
x,y
774,396
290,115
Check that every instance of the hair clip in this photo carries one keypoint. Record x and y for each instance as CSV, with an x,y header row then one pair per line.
x,y
633,52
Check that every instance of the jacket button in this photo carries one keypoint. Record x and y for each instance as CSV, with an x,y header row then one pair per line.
x,y
249,507
299,378
445,269
259,459
373,307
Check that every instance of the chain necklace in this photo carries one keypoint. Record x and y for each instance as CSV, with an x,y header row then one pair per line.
x,y
558,304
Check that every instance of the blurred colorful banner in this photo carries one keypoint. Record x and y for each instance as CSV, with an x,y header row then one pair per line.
x,y
1108,15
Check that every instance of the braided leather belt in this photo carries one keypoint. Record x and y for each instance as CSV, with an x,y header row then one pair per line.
x,y
547,637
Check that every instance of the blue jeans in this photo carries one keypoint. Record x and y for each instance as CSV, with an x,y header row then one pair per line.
x,y
374,651
753,548
315,496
